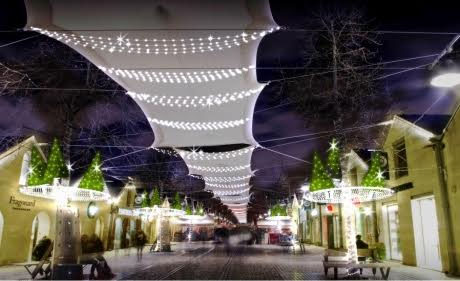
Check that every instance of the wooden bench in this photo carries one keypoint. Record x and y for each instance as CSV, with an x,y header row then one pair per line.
x,y
336,259
38,265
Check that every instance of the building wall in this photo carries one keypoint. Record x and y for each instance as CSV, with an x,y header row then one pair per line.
x,y
19,211
452,162
422,173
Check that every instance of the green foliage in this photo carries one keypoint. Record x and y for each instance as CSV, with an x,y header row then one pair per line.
x,y
177,204
199,209
93,178
374,177
278,210
319,177
188,210
37,168
381,253
156,198
146,202
55,167
333,160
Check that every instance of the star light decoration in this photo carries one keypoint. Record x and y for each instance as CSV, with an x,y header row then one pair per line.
x,y
156,46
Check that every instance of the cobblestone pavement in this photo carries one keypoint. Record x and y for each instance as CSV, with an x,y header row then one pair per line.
x,y
207,261
261,262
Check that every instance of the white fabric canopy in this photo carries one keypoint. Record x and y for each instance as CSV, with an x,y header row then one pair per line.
x,y
190,66
126,25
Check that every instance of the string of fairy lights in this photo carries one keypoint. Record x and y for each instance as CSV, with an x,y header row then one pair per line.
x,y
156,46
199,126
200,155
177,77
220,169
194,101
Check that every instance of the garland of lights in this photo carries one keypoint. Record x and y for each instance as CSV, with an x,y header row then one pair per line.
x,y
199,126
156,46
200,155
228,192
226,179
219,169
227,185
194,101
235,198
172,77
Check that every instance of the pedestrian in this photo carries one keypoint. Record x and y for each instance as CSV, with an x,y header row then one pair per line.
x,y
140,240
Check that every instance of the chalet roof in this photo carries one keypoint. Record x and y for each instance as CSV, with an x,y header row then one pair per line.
x,y
434,123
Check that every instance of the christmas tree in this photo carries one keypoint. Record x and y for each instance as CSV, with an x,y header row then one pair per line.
x,y
177,204
200,209
93,178
55,167
374,176
156,198
278,210
333,160
146,202
36,168
319,177
188,210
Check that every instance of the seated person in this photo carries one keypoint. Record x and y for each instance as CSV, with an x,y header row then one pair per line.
x,y
40,249
92,249
360,244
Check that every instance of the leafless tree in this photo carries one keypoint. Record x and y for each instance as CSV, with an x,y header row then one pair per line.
x,y
339,86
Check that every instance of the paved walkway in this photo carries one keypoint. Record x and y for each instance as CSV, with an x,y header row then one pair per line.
x,y
215,262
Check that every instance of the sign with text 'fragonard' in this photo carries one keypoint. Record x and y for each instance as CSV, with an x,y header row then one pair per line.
x,y
21,205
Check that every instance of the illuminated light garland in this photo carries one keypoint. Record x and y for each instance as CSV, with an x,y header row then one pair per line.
x,y
172,77
352,193
220,169
199,126
200,155
226,179
194,101
234,198
166,151
63,193
228,192
226,185
156,46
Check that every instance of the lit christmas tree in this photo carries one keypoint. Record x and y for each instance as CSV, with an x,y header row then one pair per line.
x,y
188,210
55,167
333,160
177,204
278,210
146,202
156,198
37,168
374,176
93,178
200,209
319,177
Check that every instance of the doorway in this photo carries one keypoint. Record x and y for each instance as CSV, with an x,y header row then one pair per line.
x,y
391,230
40,228
118,233
426,234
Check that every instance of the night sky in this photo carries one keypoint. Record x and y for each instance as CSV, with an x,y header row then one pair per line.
x,y
34,112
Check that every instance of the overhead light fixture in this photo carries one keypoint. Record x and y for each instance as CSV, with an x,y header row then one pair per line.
x,y
445,68
446,80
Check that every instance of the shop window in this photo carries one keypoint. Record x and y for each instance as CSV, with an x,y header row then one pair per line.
x,y
400,159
